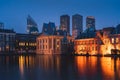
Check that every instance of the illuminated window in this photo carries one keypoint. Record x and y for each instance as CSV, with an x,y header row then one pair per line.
x,y
21,44
112,40
117,40
0,49
26,44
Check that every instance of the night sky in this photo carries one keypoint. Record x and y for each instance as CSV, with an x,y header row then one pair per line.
x,y
14,12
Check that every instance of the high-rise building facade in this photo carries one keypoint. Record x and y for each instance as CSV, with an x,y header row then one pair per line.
x,y
77,25
31,26
65,23
90,22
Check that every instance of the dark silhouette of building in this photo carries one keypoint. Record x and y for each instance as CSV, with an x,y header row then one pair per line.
x,y
32,27
90,22
65,23
49,28
77,25
7,40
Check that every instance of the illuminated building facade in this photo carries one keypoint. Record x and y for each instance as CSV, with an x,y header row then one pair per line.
x,y
77,25
87,42
65,23
25,43
53,44
104,42
31,26
7,40
90,22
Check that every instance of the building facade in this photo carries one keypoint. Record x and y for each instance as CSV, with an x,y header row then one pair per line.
x,y
32,27
90,22
25,43
52,44
77,25
65,23
105,42
7,40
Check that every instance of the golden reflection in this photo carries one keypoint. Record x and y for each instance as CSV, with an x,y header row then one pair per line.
x,y
26,61
21,65
110,67
85,63
107,67
81,64
49,62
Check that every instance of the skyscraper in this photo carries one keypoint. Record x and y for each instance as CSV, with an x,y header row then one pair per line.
x,y
77,25
90,22
65,23
31,26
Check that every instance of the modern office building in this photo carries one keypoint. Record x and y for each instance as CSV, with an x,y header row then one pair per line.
x,y
7,40
25,43
90,22
65,23
32,27
77,25
1,25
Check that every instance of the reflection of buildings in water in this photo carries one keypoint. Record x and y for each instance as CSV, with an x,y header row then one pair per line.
x,y
89,66
111,67
49,62
86,64
21,65
25,62
107,67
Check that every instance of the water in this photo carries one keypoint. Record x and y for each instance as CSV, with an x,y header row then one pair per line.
x,y
46,67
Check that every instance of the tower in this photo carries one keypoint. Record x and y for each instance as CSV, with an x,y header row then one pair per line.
x,y
77,25
65,23
31,26
90,22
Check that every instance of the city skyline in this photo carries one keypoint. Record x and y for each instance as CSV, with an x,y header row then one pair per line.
x,y
106,13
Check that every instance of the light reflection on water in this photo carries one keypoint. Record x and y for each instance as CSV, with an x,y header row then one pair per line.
x,y
48,67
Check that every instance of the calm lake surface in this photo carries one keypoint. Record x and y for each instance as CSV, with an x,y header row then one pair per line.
x,y
47,67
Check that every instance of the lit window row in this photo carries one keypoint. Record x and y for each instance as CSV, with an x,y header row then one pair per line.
x,y
89,48
27,44
115,40
86,42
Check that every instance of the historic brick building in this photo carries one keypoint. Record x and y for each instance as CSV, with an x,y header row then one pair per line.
x,y
100,42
